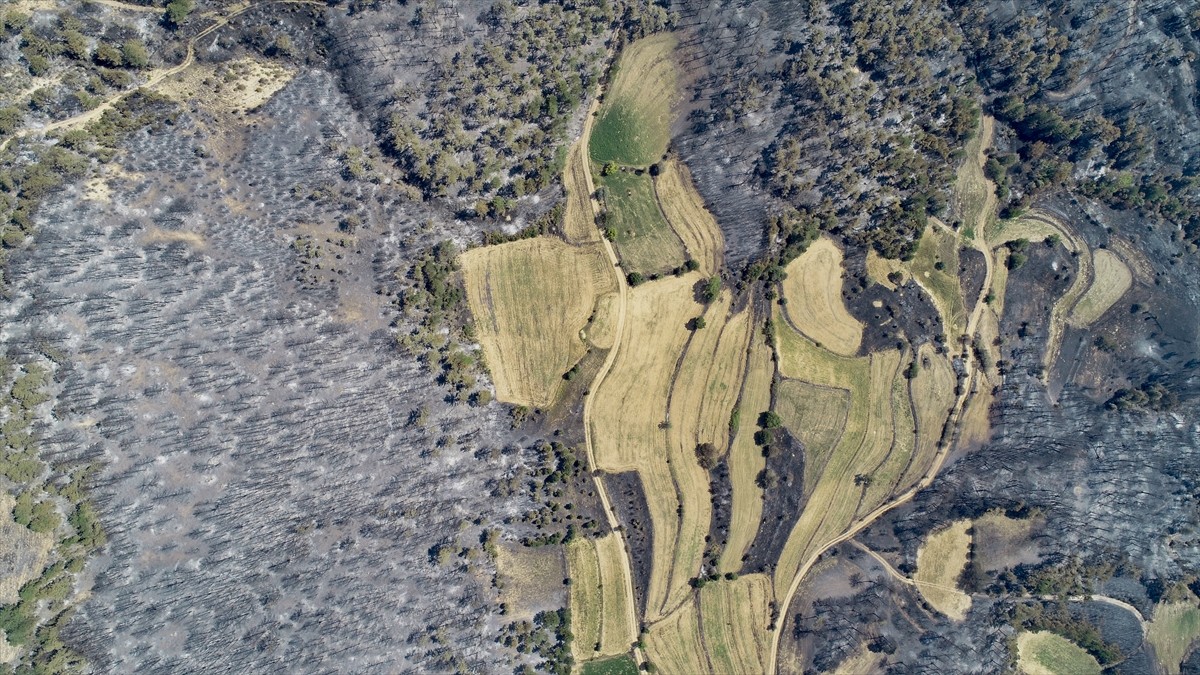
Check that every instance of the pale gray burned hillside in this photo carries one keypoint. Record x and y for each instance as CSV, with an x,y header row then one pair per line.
x,y
511,336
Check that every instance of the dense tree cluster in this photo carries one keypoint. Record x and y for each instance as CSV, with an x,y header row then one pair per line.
x,y
548,636
503,102
880,105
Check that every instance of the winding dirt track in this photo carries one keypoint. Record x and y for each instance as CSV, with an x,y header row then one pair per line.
x,y
944,445
622,302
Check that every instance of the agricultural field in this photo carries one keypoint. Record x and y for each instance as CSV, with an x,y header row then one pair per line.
x,y
599,604
813,289
932,392
645,241
935,268
1175,628
524,574
733,614
530,300
579,220
616,665
1110,279
633,125
880,268
846,487
940,561
1045,653
685,211
674,644
816,415
745,457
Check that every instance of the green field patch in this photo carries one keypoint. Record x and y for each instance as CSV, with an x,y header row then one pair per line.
x,y
617,665
645,241
1046,653
634,124
1175,627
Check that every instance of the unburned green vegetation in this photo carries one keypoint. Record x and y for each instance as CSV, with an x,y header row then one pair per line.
x,y
645,241
633,125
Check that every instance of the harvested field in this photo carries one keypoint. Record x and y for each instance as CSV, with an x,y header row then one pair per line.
x,y
813,289
974,196
705,388
940,561
840,491
1045,653
888,477
935,268
675,645
644,240
685,210
745,458
530,578
628,430
235,87
633,126
816,415
599,611
1110,279
530,299
733,616
863,660
932,393
878,269
1176,626
601,330
626,419
579,221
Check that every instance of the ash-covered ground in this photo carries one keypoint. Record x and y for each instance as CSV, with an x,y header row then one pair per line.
x,y
269,502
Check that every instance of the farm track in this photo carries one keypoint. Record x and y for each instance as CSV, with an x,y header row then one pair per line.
x,y
893,572
618,331
953,422
154,76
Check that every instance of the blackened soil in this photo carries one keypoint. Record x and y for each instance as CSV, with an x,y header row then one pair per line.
x,y
972,272
721,488
782,503
629,500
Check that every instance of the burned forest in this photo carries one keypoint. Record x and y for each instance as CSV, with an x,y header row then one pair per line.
x,y
602,336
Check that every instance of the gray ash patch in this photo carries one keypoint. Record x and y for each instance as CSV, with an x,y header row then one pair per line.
x,y
269,505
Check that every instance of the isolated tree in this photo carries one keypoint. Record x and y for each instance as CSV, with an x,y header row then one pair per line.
x,y
706,456
135,54
177,13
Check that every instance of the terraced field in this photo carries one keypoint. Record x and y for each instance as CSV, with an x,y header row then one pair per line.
x,y
530,299
813,291
686,386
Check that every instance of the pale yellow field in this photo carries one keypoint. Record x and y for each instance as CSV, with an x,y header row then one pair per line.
x,y
1046,653
887,477
685,211
745,458
817,416
627,418
601,330
878,269
932,393
865,444
579,226
940,244
702,398
1176,626
974,196
525,574
860,662
235,87
734,617
939,562
1111,279
530,299
599,611
813,289
674,644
